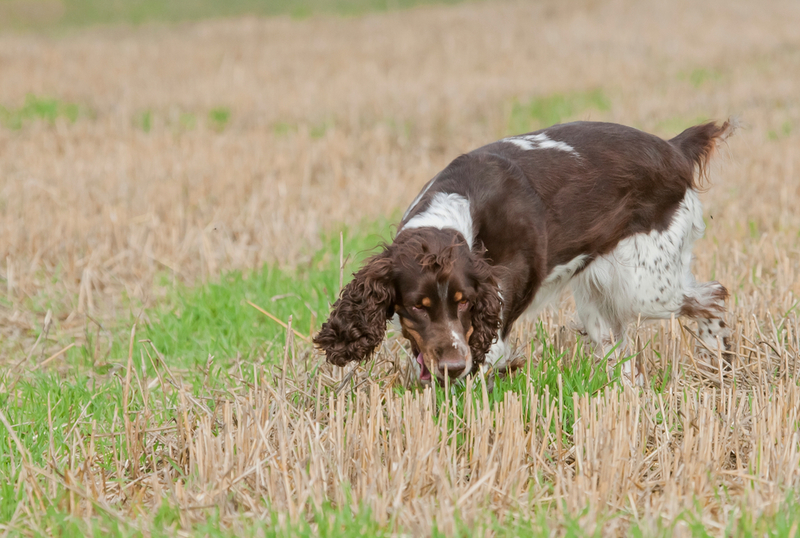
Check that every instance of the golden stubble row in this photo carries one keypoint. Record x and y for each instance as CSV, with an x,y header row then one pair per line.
x,y
710,445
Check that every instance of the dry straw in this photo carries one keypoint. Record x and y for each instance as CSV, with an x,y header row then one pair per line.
x,y
336,120
292,441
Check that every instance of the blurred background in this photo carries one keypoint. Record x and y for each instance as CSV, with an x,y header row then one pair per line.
x,y
145,140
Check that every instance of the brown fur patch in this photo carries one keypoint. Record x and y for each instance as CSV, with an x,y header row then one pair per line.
x,y
694,309
409,332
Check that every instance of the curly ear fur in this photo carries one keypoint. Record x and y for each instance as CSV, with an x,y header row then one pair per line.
x,y
357,323
486,311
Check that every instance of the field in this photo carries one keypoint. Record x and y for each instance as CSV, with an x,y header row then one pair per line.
x,y
181,198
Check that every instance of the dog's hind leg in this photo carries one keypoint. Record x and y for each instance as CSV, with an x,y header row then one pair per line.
x,y
649,276
705,303
666,286
603,326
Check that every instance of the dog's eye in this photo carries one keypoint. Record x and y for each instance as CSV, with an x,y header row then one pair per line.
x,y
418,308
463,304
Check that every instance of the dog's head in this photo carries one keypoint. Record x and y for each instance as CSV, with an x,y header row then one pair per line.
x,y
443,292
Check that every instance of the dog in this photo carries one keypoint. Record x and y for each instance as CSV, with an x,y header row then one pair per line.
x,y
609,210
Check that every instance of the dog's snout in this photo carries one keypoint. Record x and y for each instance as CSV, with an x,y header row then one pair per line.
x,y
452,366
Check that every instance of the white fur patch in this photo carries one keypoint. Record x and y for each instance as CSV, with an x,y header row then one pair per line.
x,y
458,343
555,283
647,275
446,211
539,141
499,354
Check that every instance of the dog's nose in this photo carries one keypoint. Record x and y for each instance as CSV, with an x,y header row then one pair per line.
x,y
452,366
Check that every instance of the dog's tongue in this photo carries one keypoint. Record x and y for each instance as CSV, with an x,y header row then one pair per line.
x,y
424,373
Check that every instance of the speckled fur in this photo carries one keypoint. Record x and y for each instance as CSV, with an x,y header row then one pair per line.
x,y
649,276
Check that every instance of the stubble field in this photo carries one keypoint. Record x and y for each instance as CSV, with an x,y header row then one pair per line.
x,y
156,180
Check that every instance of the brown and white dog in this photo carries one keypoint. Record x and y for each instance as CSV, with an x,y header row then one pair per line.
x,y
610,210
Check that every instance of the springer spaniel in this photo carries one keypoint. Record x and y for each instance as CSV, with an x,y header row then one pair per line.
x,y
610,210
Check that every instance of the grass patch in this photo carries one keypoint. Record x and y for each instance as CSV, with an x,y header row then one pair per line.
x,y
318,130
700,76
548,110
283,129
49,110
46,15
333,522
330,522
218,118
216,319
784,131
553,374
50,410
145,121
203,330
36,108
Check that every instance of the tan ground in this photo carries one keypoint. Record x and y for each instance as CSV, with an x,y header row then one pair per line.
x,y
338,120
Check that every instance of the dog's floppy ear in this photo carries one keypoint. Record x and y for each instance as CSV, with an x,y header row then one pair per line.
x,y
486,311
357,323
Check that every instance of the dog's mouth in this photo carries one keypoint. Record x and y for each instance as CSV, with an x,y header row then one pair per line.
x,y
424,373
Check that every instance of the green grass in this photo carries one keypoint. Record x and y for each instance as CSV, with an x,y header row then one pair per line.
x,y
216,119
548,110
187,120
327,523
38,108
283,129
784,132
700,76
49,110
146,121
557,374
331,522
48,15
315,130
214,319
219,117
204,332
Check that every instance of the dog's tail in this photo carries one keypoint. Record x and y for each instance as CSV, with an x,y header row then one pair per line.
x,y
699,143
